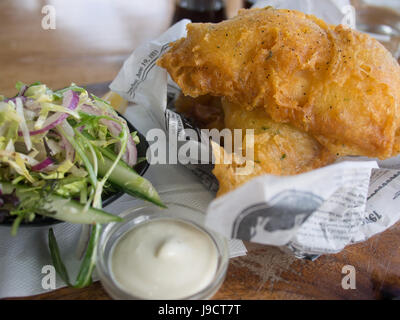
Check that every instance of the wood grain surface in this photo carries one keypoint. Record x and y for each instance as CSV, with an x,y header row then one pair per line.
x,y
268,273
89,45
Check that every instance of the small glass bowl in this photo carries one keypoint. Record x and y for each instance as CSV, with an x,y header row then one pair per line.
x,y
136,216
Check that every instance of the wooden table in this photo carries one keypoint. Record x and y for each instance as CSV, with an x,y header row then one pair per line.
x,y
91,40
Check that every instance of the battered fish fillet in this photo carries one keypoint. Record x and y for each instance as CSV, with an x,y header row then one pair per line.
x,y
340,86
279,149
227,174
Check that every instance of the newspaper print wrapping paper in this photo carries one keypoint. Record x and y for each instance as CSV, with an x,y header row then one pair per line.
x,y
310,214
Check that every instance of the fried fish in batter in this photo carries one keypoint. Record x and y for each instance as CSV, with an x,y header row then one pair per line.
x,y
279,149
340,86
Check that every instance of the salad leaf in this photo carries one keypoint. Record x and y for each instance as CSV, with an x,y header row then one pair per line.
x,y
19,85
63,144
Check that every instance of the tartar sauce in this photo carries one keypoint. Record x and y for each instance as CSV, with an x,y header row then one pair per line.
x,y
164,259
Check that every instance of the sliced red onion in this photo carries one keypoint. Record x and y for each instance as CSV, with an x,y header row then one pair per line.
x,y
51,122
132,151
45,163
70,101
130,155
90,110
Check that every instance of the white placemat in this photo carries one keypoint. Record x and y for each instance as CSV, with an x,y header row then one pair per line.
x,y
23,257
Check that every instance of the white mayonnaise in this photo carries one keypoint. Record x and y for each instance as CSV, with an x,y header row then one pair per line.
x,y
164,259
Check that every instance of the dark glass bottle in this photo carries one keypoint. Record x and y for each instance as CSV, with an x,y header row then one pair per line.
x,y
249,3
200,10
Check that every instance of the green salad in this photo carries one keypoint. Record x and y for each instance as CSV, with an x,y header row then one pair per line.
x,y
60,151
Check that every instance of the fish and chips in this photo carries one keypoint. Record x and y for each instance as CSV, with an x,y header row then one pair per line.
x,y
312,92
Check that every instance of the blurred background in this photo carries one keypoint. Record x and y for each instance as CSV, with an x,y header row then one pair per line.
x,y
92,38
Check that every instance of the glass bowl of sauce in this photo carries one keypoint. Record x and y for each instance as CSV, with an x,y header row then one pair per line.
x,y
161,254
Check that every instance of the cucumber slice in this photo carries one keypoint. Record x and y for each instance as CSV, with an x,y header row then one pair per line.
x,y
64,209
127,179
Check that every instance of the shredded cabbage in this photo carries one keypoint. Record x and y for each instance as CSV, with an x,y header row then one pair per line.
x,y
24,128
52,142
27,138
